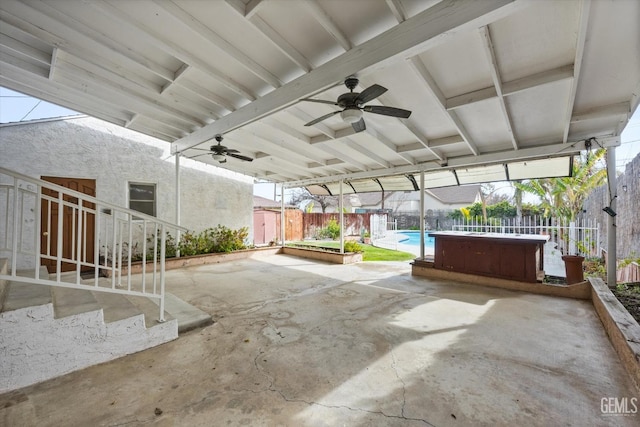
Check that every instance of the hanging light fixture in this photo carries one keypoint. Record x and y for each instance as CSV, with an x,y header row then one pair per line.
x,y
351,115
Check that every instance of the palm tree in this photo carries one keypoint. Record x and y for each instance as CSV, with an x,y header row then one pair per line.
x,y
564,197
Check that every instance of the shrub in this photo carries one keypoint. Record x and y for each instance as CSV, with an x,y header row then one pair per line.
x,y
352,246
331,231
211,240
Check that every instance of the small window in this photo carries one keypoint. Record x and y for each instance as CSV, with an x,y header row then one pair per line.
x,y
142,198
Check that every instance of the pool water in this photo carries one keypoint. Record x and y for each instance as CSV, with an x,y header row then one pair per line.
x,y
413,238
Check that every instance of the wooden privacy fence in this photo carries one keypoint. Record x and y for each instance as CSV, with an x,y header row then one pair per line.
x,y
630,273
354,223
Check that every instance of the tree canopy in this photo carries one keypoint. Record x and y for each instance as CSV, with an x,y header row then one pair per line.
x,y
564,197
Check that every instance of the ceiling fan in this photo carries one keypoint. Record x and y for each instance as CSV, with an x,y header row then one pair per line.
x,y
220,152
352,104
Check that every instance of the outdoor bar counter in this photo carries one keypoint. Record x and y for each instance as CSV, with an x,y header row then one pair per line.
x,y
506,256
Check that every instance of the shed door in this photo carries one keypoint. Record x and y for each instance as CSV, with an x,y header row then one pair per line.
x,y
49,229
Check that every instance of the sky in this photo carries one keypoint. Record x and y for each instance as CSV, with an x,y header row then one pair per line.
x,y
15,107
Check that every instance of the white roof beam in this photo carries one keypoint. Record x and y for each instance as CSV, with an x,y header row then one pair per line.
x,y
304,117
583,26
387,99
252,8
272,35
286,129
156,38
497,81
390,146
367,152
107,91
398,10
291,144
414,146
327,23
281,149
509,88
412,36
606,111
206,94
11,45
554,150
214,38
446,141
432,86
54,62
292,133
50,91
42,14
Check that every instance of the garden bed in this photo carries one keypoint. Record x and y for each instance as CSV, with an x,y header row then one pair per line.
x,y
213,258
323,254
629,296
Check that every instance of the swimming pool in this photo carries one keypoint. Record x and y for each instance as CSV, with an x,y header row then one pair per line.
x,y
413,238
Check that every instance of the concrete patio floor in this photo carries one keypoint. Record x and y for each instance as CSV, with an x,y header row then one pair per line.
x,y
301,343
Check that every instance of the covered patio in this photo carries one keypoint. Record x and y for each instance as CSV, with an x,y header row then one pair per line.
x,y
438,93
497,90
302,343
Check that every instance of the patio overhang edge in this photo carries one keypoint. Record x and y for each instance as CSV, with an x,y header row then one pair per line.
x,y
547,151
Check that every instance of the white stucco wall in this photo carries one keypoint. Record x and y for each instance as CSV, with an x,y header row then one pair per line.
x,y
36,347
85,147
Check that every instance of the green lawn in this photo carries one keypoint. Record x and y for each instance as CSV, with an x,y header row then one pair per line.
x,y
369,253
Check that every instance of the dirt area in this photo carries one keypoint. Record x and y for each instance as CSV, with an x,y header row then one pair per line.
x,y
629,295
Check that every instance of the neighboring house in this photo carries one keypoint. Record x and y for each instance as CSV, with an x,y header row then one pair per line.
x,y
128,169
267,223
445,198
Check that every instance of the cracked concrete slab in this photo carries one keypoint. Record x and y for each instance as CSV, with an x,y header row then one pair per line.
x,y
300,343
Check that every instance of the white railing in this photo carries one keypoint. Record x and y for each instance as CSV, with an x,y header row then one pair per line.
x,y
571,237
80,237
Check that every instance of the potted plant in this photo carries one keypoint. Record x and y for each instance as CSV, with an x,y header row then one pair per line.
x,y
366,237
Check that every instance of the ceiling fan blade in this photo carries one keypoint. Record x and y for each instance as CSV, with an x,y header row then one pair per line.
x,y
200,149
232,150
387,111
203,154
240,156
326,116
321,101
359,126
370,93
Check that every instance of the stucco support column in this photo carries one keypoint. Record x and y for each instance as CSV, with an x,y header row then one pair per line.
x,y
340,207
282,218
611,220
177,201
421,214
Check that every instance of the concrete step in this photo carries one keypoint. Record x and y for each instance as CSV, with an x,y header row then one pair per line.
x,y
22,295
68,302
188,316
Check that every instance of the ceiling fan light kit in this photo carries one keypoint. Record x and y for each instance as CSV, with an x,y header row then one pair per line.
x,y
352,104
351,115
219,152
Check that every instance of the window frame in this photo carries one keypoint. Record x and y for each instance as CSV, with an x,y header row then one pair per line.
x,y
153,202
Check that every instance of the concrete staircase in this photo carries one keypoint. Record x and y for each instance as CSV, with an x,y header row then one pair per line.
x,y
50,331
